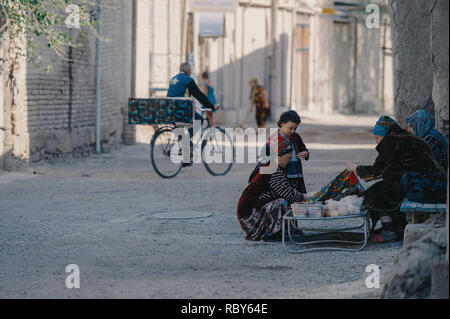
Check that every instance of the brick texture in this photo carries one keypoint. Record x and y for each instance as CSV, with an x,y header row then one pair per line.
x,y
58,112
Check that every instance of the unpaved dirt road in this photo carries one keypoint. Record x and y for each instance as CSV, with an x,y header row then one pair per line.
x,y
98,213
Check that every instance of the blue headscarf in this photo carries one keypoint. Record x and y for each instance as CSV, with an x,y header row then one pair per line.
x,y
422,124
384,125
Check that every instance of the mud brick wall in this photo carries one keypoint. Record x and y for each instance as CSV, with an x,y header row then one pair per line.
x,y
56,115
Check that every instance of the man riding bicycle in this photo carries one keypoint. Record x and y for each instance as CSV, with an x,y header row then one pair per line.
x,y
182,85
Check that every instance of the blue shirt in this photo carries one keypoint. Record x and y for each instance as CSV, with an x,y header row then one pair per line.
x,y
179,85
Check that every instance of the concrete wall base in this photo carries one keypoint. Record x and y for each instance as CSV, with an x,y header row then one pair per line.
x,y
439,281
226,118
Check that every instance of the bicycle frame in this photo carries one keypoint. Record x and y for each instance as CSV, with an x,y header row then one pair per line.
x,y
202,139
208,118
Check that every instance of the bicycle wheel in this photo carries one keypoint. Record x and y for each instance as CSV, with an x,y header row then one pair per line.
x,y
165,153
217,151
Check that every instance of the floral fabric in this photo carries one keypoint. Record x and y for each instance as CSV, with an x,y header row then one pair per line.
x,y
345,184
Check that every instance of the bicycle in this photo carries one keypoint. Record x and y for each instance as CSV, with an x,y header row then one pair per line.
x,y
166,149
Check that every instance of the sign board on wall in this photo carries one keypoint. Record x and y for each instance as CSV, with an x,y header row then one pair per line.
x,y
213,5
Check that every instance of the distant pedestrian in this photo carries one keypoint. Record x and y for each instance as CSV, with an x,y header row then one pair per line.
x,y
258,97
208,90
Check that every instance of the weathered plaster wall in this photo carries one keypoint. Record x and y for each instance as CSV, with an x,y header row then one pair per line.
x,y
413,68
439,54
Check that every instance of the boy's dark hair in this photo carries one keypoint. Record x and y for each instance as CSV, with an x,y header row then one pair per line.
x,y
205,75
291,116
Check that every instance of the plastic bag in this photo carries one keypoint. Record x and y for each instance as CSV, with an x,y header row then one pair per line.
x,y
350,205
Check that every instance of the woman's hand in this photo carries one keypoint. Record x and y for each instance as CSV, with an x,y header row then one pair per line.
x,y
303,155
351,167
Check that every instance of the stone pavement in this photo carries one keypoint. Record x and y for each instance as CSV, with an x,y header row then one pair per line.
x,y
99,213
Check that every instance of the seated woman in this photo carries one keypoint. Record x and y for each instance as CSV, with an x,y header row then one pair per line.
x,y
398,153
266,199
421,124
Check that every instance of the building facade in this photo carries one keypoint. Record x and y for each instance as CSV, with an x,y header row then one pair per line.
x,y
314,55
310,55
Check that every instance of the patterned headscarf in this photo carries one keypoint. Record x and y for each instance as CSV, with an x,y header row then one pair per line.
x,y
280,143
422,124
384,125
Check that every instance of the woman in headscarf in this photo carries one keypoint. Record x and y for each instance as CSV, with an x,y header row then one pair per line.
x,y
258,97
266,200
399,152
421,124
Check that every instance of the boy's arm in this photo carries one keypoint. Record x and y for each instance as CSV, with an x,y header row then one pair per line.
x,y
301,146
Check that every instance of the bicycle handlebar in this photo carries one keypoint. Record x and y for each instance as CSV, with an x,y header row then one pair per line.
x,y
205,109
